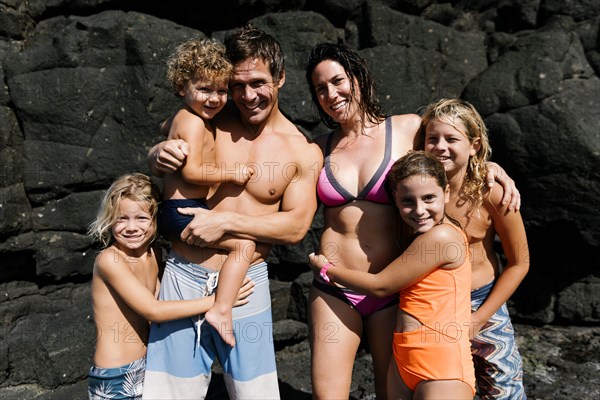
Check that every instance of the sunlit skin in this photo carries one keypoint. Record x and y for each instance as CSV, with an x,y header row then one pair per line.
x,y
254,90
357,235
447,141
124,284
133,228
421,202
205,98
258,134
333,88
277,206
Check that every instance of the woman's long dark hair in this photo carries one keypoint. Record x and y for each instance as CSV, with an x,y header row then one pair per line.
x,y
358,72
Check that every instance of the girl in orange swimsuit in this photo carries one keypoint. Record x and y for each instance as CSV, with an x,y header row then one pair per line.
x,y
433,275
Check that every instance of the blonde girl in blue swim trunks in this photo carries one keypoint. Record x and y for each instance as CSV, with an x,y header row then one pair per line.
x,y
455,133
124,283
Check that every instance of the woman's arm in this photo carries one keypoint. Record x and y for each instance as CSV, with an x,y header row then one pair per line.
x,y
440,247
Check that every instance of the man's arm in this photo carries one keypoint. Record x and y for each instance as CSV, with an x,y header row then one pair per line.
x,y
287,226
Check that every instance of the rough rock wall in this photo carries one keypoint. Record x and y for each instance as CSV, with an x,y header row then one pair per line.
x,y
83,89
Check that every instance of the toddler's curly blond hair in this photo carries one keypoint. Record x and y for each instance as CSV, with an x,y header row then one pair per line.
x,y
195,59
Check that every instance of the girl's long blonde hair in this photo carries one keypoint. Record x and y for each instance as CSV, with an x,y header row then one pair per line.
x,y
447,110
136,187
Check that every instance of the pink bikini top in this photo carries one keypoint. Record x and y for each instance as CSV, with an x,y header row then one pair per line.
x,y
332,194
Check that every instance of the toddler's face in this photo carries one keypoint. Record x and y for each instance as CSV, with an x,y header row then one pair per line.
x,y
204,97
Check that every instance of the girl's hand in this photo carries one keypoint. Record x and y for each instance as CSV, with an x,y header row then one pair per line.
x,y
246,290
476,325
317,261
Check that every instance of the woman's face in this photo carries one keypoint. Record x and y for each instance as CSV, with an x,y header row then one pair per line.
x,y
333,88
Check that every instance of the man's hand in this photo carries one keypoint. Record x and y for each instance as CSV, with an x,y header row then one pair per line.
x,y
511,194
170,155
206,228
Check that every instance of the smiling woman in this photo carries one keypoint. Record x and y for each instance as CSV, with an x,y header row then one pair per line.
x,y
359,217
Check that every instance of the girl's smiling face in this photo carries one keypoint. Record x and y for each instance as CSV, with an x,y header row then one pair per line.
x,y
421,202
446,139
134,228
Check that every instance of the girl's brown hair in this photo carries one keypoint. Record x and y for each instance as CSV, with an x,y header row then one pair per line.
x,y
418,163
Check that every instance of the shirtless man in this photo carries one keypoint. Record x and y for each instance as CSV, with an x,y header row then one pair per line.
x,y
276,206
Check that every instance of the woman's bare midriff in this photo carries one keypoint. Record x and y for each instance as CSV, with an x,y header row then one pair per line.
x,y
360,236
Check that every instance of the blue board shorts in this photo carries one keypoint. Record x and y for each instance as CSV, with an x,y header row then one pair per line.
x,y
125,382
180,355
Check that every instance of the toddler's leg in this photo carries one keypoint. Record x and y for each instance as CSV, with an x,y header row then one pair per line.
x,y
231,277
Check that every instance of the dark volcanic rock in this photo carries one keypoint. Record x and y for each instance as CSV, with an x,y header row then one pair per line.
x,y
83,89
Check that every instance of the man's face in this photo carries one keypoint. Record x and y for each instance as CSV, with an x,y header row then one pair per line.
x,y
253,90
